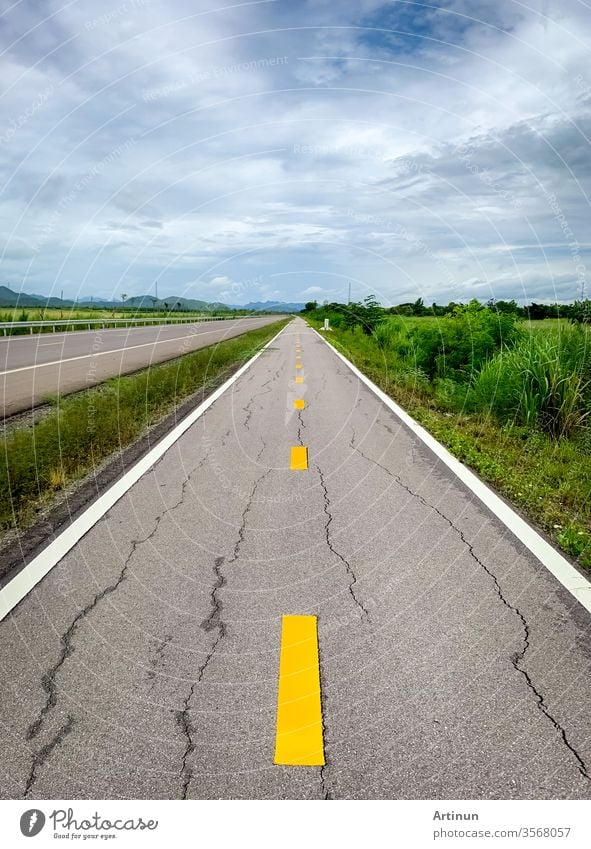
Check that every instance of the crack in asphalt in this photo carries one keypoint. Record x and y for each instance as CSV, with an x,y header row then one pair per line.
x,y
48,680
42,754
214,622
248,408
245,512
248,411
263,446
183,718
348,568
301,427
327,792
327,789
518,657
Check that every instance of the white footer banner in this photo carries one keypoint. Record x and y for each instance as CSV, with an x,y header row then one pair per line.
x,y
299,824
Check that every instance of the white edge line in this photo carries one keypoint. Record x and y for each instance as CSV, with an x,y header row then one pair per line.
x,y
570,578
22,583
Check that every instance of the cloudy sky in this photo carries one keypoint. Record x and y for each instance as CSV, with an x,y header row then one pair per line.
x,y
281,150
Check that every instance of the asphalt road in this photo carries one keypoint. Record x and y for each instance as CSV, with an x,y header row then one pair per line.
x,y
145,665
32,368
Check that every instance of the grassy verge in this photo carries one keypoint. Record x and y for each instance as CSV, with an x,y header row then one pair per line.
x,y
85,429
547,478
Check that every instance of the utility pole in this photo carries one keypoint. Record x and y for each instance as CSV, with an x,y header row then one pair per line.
x,y
156,285
349,298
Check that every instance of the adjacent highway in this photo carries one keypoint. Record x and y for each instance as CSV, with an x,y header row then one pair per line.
x,y
33,368
432,653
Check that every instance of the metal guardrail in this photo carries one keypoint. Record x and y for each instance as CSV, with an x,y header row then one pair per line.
x,y
103,322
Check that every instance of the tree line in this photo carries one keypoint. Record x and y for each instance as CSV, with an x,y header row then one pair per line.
x,y
369,312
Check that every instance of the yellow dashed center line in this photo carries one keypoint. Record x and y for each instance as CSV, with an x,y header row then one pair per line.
x,y
299,404
299,740
298,365
299,380
299,458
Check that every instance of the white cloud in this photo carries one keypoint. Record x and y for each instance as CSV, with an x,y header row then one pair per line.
x,y
447,157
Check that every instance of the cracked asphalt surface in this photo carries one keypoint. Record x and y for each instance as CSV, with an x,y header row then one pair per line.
x,y
453,665
42,365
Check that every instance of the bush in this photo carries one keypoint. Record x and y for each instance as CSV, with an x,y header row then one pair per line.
x,y
456,346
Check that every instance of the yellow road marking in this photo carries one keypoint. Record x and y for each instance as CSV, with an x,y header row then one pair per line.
x,y
299,379
298,739
298,404
298,365
299,458
298,357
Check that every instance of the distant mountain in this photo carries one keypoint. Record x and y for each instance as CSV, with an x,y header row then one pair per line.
x,y
44,301
101,302
8,298
22,299
174,302
273,306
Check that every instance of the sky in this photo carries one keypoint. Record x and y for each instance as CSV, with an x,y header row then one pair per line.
x,y
283,150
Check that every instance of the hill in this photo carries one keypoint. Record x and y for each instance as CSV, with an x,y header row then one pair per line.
x,y
273,306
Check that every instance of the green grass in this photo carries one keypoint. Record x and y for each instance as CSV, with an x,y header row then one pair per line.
x,y
542,381
82,430
517,413
548,324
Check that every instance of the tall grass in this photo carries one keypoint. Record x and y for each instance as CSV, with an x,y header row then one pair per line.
x,y
544,381
387,334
